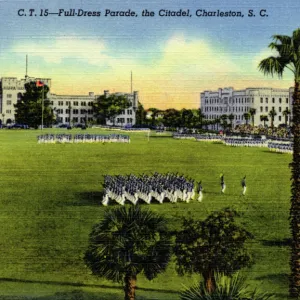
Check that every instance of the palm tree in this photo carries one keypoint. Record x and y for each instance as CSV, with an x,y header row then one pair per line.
x,y
264,118
217,121
272,115
247,116
127,242
288,57
286,114
224,121
231,118
252,112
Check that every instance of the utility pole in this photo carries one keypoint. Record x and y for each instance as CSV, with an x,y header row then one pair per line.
x,y
26,75
131,84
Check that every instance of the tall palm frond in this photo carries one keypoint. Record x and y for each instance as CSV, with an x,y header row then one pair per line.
x,y
288,48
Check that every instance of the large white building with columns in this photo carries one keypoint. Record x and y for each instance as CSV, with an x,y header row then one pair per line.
x,y
227,101
68,109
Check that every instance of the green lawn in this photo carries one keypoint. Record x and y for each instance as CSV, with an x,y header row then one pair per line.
x,y
50,197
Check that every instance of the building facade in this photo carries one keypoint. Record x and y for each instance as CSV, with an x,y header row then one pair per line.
x,y
68,109
11,90
228,101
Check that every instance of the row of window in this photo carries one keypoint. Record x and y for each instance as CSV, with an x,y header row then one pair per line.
x,y
242,100
267,109
273,100
129,112
122,120
224,109
213,117
74,103
75,120
235,100
75,111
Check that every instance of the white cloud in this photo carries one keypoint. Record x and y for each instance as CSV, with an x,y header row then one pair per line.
x,y
93,52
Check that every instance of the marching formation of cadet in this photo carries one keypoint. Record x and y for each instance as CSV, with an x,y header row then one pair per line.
x,y
184,136
242,142
101,138
52,138
198,137
157,187
281,147
277,146
209,138
83,138
147,188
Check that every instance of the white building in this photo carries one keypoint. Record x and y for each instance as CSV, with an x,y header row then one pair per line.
x,y
11,90
69,109
228,101
72,109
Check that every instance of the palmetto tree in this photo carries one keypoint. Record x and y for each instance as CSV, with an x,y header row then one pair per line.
x,y
127,242
231,118
252,112
272,115
264,118
286,114
246,115
288,49
224,121
217,121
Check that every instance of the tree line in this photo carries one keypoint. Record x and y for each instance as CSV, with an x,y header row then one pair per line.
x,y
194,118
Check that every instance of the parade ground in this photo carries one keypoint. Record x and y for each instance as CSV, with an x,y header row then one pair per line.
x,y
50,197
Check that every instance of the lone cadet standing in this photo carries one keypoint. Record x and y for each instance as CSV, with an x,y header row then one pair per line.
x,y
223,185
244,185
199,191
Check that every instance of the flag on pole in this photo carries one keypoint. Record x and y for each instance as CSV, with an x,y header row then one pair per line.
x,y
39,83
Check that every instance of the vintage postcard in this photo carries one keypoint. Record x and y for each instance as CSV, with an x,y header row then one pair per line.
x,y
148,149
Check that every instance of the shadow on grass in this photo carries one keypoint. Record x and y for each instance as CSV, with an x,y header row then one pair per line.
x,y
277,243
78,284
272,152
73,295
92,198
280,278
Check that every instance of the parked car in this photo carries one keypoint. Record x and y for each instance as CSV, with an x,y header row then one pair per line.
x,y
18,126
63,126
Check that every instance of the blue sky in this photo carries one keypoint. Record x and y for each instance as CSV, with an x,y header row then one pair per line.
x,y
172,59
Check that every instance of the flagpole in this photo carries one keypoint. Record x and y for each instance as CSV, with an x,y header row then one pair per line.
x,y
42,108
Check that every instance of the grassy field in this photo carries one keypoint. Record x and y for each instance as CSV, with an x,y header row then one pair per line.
x,y
50,198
